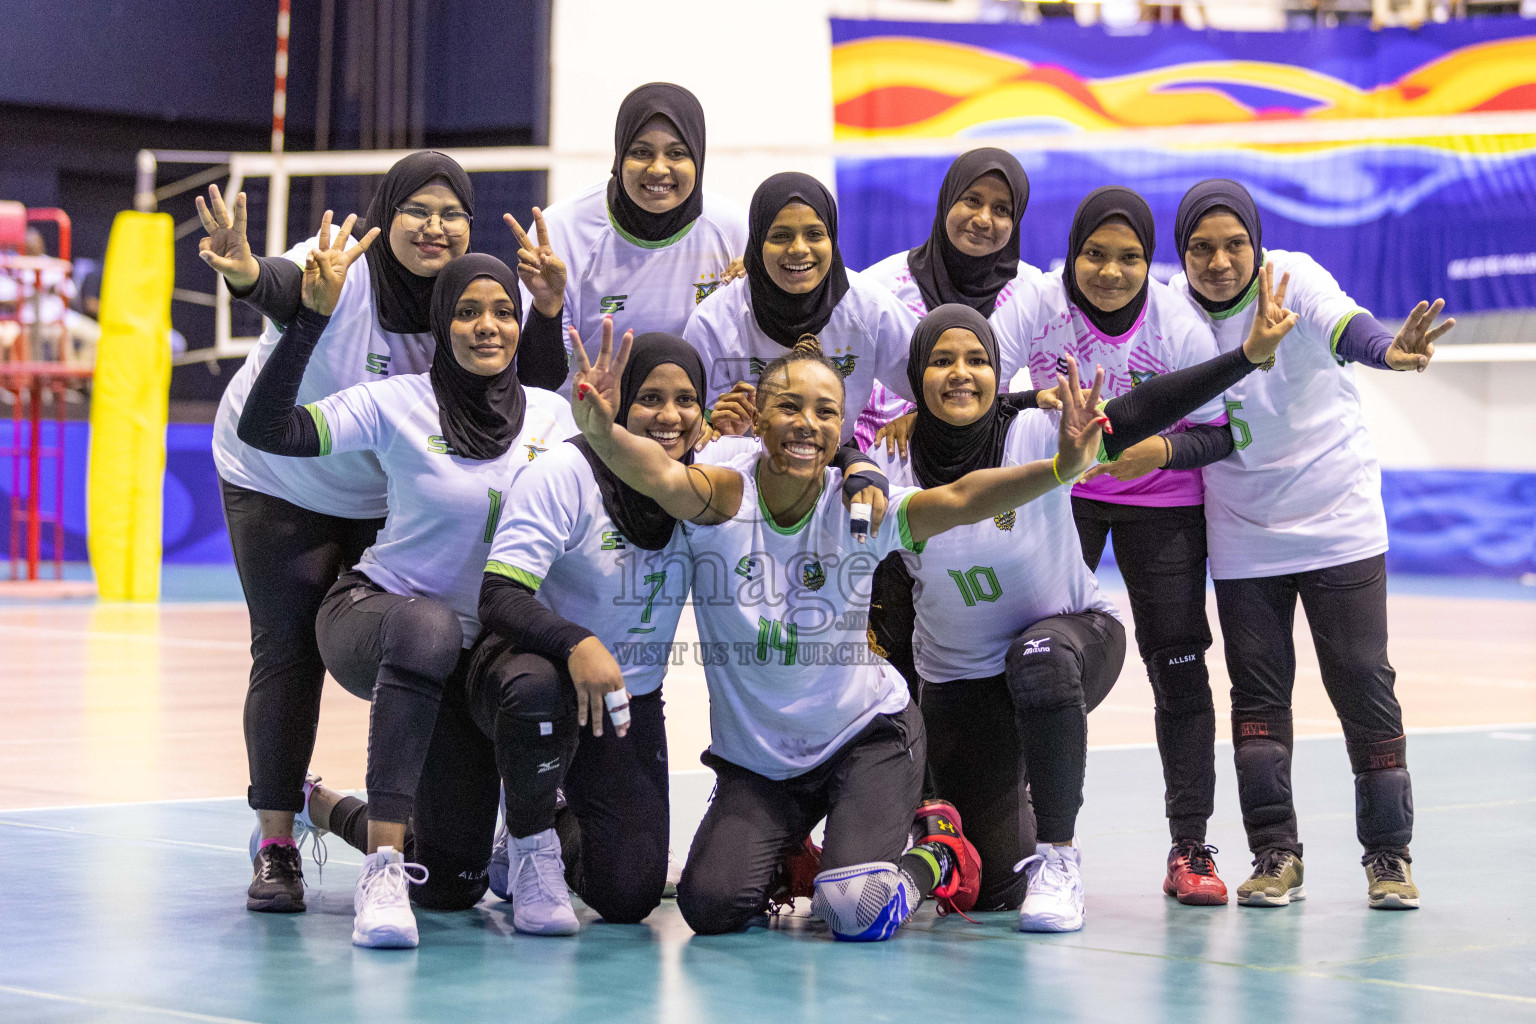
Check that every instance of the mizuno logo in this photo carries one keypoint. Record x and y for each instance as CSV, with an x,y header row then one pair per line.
x,y
1035,648
548,766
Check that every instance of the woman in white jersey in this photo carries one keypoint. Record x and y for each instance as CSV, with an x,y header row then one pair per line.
x,y
805,721
650,243
611,573
1106,308
452,443
1296,512
796,286
1013,642
971,256
295,525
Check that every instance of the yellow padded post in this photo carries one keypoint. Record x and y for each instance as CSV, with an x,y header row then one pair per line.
x,y
130,404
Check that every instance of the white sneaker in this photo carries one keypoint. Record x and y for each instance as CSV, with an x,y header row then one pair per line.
x,y
383,910
304,830
1054,901
541,904
499,871
674,875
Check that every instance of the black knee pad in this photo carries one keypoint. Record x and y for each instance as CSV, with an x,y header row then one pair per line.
x,y
451,884
1180,683
711,913
531,688
1383,794
424,638
1262,754
1043,673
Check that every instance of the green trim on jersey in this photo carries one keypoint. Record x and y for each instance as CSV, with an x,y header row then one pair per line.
x,y
1338,332
515,574
916,547
321,426
787,531
642,243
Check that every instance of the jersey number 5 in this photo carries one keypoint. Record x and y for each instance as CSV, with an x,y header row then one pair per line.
x,y
1241,436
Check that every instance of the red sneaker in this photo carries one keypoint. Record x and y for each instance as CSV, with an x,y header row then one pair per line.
x,y
796,877
1192,875
938,822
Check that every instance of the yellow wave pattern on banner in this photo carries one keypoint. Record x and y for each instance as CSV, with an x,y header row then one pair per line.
x,y
891,87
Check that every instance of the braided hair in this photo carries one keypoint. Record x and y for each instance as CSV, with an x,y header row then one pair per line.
x,y
806,350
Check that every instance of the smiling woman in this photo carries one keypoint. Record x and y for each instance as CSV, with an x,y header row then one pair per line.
x,y
796,287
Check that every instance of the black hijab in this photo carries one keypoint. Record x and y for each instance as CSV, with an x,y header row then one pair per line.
x,y
784,317
945,274
682,109
401,298
1096,208
639,518
480,416
1205,198
942,452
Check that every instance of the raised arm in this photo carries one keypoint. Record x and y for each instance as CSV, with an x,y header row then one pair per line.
x,y
697,493
541,358
985,493
271,421
270,284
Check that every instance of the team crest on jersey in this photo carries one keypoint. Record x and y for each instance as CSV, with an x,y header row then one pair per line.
x,y
747,568
1006,520
611,304
703,290
813,575
1138,377
613,540
844,364
534,451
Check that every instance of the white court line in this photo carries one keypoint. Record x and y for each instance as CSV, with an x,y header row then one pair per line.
x,y
158,1011
148,638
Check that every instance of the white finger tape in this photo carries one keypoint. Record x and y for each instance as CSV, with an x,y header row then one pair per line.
x,y
859,516
618,706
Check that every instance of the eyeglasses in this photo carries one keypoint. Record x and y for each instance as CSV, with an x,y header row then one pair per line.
x,y
454,222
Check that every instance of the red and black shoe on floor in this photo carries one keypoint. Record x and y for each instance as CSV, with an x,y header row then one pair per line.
x,y
796,877
937,821
1192,878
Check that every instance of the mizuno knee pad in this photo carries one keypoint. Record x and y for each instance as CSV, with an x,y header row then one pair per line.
x,y
864,902
1383,794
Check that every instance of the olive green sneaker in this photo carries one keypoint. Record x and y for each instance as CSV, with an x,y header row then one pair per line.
x,y
1275,882
1391,881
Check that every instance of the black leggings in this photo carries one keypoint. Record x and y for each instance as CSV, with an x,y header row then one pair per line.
x,y
1161,554
287,557
1346,608
867,790
397,653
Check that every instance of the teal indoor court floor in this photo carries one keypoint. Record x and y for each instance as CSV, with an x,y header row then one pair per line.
x,y
135,913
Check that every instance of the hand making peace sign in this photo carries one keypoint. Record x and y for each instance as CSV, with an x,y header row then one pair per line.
x,y
540,270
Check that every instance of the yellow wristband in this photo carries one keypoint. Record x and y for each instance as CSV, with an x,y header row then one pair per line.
x,y
1055,472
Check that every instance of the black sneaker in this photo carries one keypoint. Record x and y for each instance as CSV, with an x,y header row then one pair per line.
x,y
278,884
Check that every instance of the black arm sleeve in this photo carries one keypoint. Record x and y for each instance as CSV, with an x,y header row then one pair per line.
x,y
271,422
509,609
1156,404
1200,445
277,291
541,358
1019,400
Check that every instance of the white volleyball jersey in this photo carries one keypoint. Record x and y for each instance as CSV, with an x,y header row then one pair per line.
x,y
1044,326
644,286
443,509
867,337
896,275
354,349
783,614
558,540
1302,490
977,587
